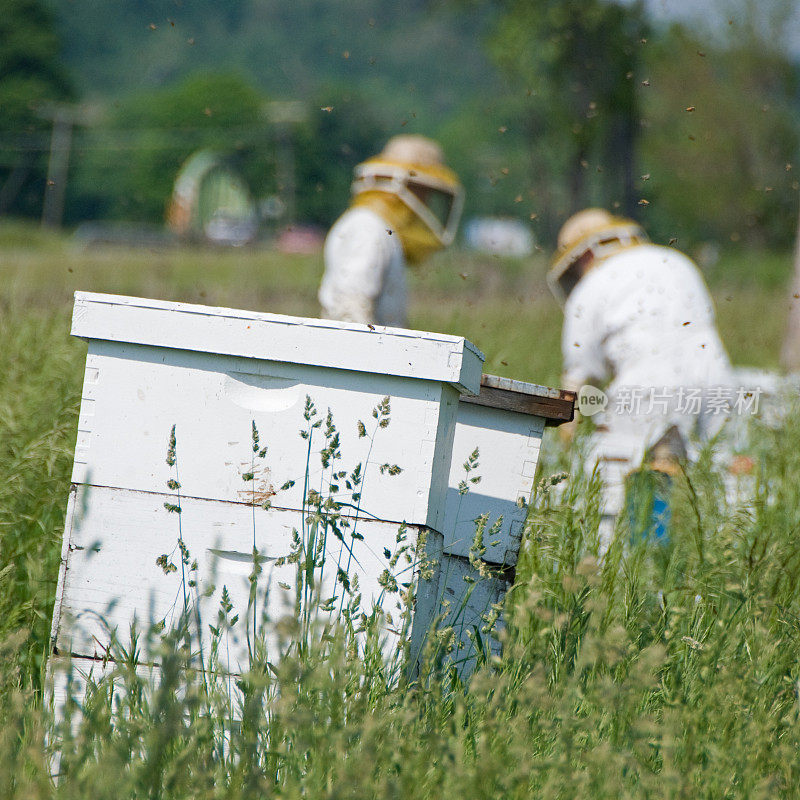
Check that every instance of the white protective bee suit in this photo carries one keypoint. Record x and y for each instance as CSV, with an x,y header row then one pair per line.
x,y
406,205
640,321
365,271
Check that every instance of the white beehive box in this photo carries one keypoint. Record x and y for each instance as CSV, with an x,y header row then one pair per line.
x,y
213,373
505,424
110,573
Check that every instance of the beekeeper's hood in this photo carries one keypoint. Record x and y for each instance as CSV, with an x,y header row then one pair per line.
x,y
409,185
594,232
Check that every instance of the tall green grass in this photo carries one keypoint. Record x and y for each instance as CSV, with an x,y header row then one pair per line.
x,y
657,672
40,372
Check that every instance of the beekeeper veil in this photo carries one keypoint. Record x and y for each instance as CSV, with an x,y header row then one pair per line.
x,y
410,186
592,234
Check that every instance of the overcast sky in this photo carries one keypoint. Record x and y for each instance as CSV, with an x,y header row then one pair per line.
x,y
782,15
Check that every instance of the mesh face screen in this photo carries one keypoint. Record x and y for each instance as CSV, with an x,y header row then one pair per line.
x,y
439,203
569,280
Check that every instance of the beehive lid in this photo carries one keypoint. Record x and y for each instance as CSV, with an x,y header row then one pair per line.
x,y
275,337
555,405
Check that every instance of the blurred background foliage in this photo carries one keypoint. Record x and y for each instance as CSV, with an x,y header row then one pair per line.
x,y
31,75
126,167
543,106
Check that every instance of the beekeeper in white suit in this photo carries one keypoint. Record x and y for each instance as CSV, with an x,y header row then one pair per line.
x,y
406,205
639,321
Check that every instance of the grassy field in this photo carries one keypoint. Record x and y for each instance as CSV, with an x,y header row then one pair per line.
x,y
666,672
502,305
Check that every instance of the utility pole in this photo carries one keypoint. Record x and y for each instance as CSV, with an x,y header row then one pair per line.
x,y
790,352
284,115
63,118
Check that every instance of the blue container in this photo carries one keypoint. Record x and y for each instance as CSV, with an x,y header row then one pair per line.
x,y
648,506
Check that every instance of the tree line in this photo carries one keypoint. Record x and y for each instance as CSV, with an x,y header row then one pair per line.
x,y
554,105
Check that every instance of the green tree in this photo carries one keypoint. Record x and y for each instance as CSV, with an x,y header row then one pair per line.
x,y
721,140
31,76
344,129
573,64
128,166
488,145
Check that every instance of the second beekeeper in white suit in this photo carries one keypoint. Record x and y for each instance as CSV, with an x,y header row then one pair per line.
x,y
639,321
406,205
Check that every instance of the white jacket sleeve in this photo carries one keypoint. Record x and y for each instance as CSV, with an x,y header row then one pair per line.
x,y
582,346
358,253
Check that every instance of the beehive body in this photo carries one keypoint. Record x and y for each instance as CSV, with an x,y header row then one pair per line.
x,y
136,389
217,375
495,454
508,445
113,577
